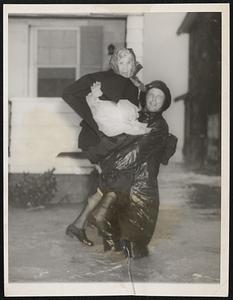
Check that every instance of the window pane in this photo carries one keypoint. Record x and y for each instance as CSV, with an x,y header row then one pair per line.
x,y
44,56
91,43
52,81
57,47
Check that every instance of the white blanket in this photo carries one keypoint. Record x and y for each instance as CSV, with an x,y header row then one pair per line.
x,y
116,118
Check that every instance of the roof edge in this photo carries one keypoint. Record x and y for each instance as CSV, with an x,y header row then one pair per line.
x,y
187,23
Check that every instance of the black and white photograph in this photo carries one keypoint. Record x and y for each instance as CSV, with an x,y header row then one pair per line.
x,y
116,149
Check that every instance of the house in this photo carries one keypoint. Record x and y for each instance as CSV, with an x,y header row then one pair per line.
x,y
47,52
202,141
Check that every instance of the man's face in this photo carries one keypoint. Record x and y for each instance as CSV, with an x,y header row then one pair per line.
x,y
125,66
154,100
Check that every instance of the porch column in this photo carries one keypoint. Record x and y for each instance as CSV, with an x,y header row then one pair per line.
x,y
134,37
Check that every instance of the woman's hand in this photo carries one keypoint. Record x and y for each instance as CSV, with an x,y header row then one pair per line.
x,y
98,168
96,89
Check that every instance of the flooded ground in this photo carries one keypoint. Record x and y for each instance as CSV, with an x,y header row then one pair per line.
x,y
185,246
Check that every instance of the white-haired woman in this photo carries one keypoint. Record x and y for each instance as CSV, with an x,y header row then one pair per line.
x,y
120,82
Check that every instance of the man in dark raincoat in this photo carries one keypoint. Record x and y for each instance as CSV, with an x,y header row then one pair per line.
x,y
131,172
134,217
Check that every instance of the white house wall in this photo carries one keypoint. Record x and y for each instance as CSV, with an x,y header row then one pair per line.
x,y
135,37
41,129
166,58
18,60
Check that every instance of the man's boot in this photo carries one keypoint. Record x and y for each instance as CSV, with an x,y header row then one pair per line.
x,y
134,250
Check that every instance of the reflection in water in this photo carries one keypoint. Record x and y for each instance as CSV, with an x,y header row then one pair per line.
x,y
204,196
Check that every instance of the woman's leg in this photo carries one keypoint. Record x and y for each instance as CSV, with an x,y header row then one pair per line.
x,y
77,228
92,202
101,217
107,201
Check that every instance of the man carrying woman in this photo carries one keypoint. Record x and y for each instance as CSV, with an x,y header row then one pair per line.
x,y
128,195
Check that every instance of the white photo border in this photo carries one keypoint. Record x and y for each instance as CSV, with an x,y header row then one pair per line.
x,y
124,288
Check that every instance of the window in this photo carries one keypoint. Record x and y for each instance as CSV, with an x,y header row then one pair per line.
x,y
52,81
57,61
59,56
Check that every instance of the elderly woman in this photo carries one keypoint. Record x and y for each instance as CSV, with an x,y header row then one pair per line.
x,y
120,82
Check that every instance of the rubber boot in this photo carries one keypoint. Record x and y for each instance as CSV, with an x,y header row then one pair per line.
x,y
100,217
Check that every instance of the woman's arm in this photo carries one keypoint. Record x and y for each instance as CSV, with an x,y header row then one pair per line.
x,y
75,96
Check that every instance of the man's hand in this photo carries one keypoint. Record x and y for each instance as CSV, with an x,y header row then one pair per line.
x,y
137,128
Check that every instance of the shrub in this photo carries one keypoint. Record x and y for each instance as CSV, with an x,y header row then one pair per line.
x,y
33,190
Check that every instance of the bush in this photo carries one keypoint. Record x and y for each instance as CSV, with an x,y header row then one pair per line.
x,y
33,190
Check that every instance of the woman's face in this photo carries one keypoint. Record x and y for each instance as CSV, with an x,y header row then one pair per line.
x,y
125,65
154,100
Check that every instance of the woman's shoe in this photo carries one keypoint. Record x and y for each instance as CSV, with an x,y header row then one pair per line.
x,y
79,233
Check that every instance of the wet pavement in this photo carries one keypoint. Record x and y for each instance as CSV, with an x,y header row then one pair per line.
x,y
185,246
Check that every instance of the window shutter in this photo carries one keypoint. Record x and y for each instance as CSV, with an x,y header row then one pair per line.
x,y
91,44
